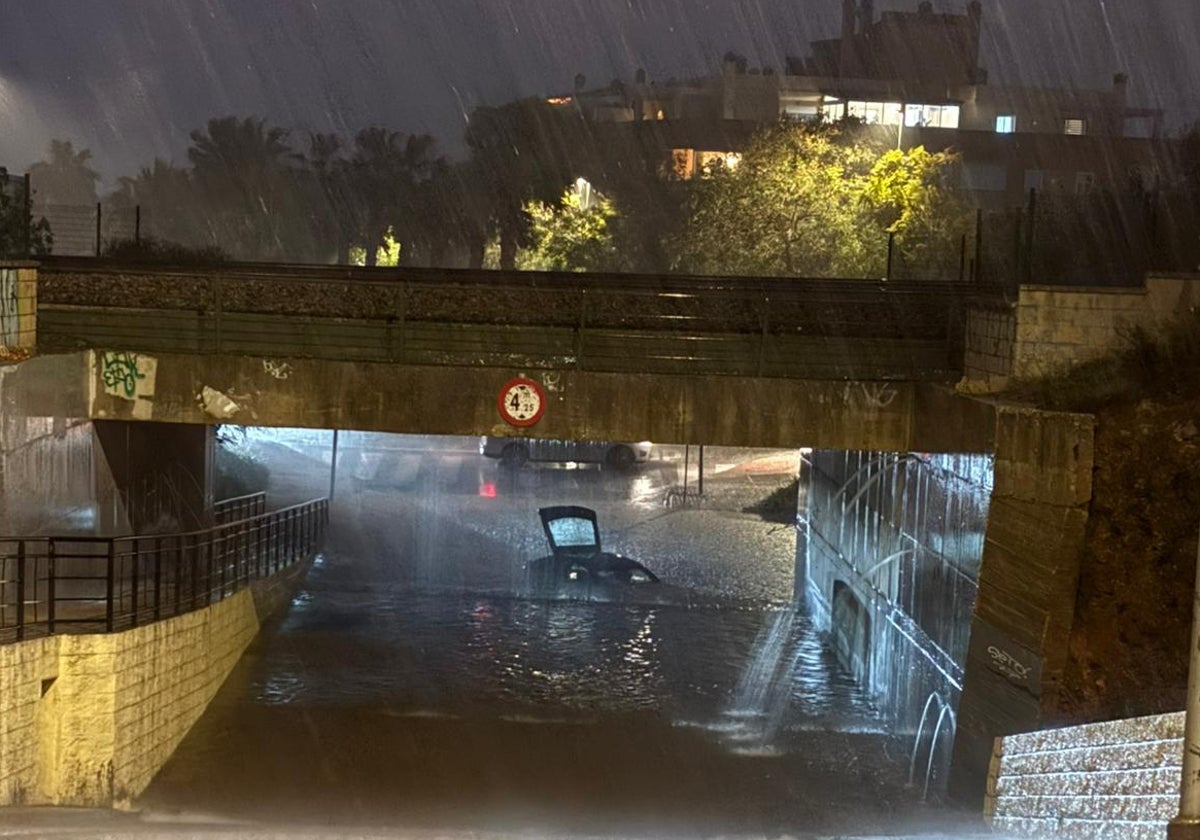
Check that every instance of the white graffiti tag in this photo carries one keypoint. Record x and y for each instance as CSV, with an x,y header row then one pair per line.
x,y
1006,663
279,370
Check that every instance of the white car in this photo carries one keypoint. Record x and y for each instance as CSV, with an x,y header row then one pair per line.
x,y
514,452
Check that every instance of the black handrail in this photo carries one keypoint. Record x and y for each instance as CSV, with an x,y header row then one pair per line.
x,y
105,584
239,507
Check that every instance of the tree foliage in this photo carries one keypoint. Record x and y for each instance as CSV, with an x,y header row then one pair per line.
x,y
817,201
20,235
65,177
576,234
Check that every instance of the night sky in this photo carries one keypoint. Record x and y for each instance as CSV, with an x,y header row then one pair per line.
x,y
130,79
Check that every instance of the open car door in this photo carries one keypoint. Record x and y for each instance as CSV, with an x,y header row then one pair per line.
x,y
571,530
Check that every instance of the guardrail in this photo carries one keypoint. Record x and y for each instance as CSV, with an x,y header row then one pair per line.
x,y
104,584
239,507
767,327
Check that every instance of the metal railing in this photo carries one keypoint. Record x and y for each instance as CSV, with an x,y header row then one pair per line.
x,y
105,584
240,507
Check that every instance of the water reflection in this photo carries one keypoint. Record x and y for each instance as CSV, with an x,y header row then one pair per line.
x,y
762,667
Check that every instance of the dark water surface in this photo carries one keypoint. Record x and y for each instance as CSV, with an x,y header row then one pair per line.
x,y
394,694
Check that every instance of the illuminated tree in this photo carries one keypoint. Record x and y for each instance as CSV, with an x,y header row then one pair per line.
x,y
817,201
574,235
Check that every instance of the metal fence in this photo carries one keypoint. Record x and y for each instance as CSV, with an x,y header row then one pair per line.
x,y
104,584
82,230
240,507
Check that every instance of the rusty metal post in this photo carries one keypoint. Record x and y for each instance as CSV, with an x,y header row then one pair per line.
x,y
1186,826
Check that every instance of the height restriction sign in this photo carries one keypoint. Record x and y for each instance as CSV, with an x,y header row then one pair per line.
x,y
522,402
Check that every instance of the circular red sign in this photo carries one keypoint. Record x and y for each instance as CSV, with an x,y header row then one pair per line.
x,y
521,402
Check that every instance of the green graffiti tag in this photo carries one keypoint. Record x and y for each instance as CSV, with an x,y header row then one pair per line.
x,y
120,371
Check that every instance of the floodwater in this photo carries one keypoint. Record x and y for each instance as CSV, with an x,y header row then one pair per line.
x,y
408,685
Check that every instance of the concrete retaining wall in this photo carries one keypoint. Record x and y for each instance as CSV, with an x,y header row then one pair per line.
x,y
1103,780
89,720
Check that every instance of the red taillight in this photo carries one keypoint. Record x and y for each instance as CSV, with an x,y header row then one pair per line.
x,y
487,490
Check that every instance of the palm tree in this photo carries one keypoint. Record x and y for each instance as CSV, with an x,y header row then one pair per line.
x,y
523,151
244,170
386,171
64,178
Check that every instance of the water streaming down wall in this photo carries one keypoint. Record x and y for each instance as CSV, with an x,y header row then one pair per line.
x,y
890,547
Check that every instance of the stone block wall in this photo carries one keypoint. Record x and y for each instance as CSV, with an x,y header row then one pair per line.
x,y
1057,328
1115,779
89,720
18,309
1052,328
24,671
1027,582
989,339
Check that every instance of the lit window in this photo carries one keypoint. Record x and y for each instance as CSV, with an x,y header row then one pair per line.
x,y
1006,124
1073,126
707,162
931,116
684,163
893,113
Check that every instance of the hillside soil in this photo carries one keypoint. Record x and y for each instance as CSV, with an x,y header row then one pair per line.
x,y
1130,638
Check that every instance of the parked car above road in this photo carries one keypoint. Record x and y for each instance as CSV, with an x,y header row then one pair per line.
x,y
515,452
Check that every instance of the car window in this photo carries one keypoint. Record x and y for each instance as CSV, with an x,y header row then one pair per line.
x,y
572,531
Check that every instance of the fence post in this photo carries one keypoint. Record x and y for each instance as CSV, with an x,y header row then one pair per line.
x,y
27,225
207,549
962,259
99,217
157,578
108,608
51,588
891,251
1030,235
137,563
978,268
21,590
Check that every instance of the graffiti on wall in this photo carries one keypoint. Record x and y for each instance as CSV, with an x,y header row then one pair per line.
x,y
120,373
130,377
10,315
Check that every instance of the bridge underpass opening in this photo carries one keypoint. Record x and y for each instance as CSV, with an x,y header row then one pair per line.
x,y
418,679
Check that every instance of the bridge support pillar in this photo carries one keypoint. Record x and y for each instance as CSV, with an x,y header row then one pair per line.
x,y
1027,585
163,472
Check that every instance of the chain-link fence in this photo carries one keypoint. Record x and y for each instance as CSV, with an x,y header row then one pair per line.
x,y
85,230
1095,239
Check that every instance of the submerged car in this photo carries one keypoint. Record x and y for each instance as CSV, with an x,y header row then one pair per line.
x,y
514,452
579,569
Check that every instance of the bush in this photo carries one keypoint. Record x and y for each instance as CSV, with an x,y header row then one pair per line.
x,y
1148,366
151,250
780,506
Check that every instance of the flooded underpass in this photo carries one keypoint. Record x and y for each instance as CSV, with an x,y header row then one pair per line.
x,y
413,683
